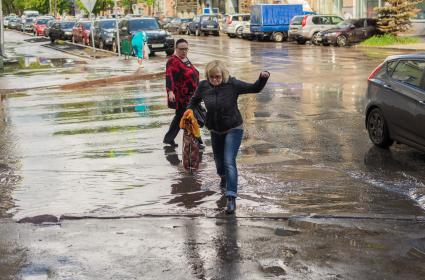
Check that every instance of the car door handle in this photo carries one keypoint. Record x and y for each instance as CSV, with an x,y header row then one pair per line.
x,y
387,86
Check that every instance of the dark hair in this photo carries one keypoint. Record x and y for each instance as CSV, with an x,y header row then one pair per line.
x,y
181,40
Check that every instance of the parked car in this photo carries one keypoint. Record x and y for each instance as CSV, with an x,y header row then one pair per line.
x,y
349,31
39,25
28,25
81,32
307,27
234,24
159,40
6,21
204,24
177,25
246,31
183,25
395,108
14,23
61,30
271,22
49,25
104,33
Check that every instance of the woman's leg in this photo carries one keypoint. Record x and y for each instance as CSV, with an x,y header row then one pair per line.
x,y
217,143
232,143
174,127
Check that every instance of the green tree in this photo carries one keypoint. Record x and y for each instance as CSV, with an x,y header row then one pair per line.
x,y
394,17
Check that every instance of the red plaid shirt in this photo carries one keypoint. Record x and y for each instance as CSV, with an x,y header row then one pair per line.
x,y
181,79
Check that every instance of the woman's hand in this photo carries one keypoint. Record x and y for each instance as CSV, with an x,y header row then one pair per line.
x,y
171,96
264,74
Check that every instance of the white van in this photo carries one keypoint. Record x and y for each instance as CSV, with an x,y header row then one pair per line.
x,y
28,14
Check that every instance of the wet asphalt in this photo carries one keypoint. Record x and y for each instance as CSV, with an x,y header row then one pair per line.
x,y
316,199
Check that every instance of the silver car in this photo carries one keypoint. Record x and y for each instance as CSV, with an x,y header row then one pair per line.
x,y
395,108
307,27
234,24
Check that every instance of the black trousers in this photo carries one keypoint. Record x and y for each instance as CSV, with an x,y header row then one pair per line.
x,y
174,126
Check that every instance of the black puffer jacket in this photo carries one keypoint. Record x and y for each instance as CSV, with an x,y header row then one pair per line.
x,y
222,101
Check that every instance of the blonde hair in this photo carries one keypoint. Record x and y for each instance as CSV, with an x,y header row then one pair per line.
x,y
217,66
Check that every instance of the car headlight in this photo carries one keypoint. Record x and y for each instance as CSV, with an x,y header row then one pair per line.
x,y
68,33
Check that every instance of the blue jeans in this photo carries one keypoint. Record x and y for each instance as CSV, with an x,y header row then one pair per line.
x,y
225,149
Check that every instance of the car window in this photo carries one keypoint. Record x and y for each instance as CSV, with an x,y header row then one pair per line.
x,y
66,25
315,20
143,24
207,18
336,20
391,66
325,20
246,18
371,22
107,24
359,23
42,21
297,20
409,72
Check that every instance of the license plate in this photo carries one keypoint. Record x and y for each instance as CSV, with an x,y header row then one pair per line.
x,y
319,39
157,45
210,26
294,29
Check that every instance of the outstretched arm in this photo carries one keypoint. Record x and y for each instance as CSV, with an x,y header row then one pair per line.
x,y
243,87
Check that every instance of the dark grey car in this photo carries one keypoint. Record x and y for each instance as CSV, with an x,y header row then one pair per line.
x,y
395,108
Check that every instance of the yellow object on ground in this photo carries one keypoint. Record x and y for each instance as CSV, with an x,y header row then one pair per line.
x,y
188,122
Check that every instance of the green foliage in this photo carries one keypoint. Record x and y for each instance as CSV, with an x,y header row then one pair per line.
x,y
390,39
394,17
101,5
42,6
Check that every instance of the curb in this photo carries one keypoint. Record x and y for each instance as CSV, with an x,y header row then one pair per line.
x,y
115,79
391,48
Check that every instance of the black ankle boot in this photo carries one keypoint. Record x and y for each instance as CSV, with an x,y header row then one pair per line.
x,y
223,183
231,205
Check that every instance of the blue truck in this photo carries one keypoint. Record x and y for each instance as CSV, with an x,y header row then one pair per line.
x,y
271,21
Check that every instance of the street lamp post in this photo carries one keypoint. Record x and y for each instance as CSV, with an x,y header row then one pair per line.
x,y
1,30
118,43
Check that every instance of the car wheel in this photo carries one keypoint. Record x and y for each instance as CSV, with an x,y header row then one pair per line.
x,y
341,41
114,46
101,44
231,35
378,129
239,31
278,37
216,33
315,39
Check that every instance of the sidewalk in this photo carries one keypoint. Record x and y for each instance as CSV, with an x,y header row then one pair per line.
x,y
38,66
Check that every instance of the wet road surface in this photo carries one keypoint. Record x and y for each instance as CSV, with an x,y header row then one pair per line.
x,y
97,152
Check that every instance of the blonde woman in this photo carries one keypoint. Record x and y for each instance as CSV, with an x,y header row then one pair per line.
x,y
220,94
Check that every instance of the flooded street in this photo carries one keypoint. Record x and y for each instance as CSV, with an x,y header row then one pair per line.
x,y
316,199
